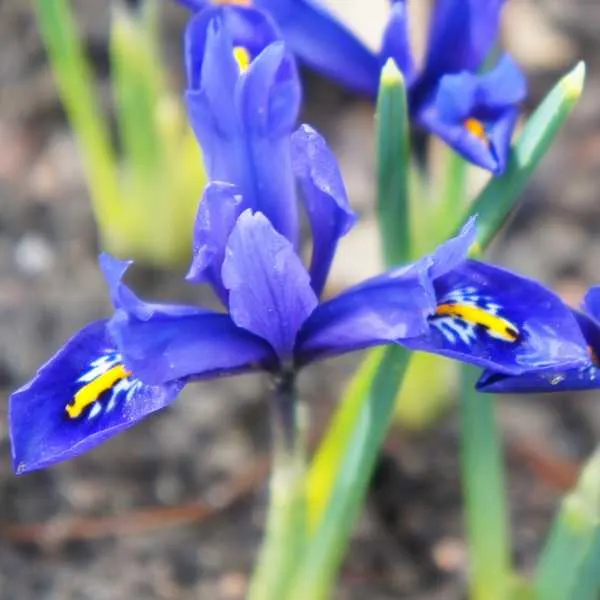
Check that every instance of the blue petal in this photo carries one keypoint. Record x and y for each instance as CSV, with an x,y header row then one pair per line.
x,y
498,320
221,205
489,101
591,303
396,41
269,104
491,153
163,342
53,418
382,310
452,252
325,200
462,32
269,288
243,120
584,377
212,74
324,43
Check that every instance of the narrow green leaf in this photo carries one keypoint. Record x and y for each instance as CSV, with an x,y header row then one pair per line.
x,y
393,160
499,199
569,567
75,85
360,424
137,83
484,492
326,462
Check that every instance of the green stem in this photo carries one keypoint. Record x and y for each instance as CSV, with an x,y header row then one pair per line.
x,y
286,525
484,493
314,579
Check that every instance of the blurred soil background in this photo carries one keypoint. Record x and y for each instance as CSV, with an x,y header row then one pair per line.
x,y
173,508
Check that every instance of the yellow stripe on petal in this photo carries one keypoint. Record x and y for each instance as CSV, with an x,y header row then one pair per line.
x,y
92,391
242,57
495,326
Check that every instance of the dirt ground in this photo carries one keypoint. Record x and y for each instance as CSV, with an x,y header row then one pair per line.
x,y
172,509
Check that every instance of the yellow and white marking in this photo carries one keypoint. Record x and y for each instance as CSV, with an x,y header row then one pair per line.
x,y
463,314
107,378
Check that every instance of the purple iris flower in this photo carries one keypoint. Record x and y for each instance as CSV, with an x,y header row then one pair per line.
x,y
474,113
116,371
583,377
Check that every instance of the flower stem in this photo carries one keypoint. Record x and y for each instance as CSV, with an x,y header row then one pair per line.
x,y
484,493
286,525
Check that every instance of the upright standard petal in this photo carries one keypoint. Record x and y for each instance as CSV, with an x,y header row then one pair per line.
x,y
269,103
163,342
79,398
461,34
243,117
325,200
396,41
269,288
324,43
386,309
496,319
476,114
219,209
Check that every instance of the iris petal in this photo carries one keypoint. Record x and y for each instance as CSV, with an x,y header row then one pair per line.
x,y
461,34
243,120
476,114
389,308
591,303
396,41
221,205
385,309
82,396
324,43
325,200
495,319
163,342
584,377
269,101
269,288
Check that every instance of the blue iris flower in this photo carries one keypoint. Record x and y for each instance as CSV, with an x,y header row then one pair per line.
x,y
243,105
474,113
583,377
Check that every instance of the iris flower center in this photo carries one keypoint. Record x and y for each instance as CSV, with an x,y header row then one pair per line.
x,y
477,128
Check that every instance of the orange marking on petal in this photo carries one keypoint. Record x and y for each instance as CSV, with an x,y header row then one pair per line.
x,y
477,128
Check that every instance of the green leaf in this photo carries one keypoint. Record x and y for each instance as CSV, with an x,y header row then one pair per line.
x,y
346,458
138,88
499,199
484,492
393,160
75,85
569,568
